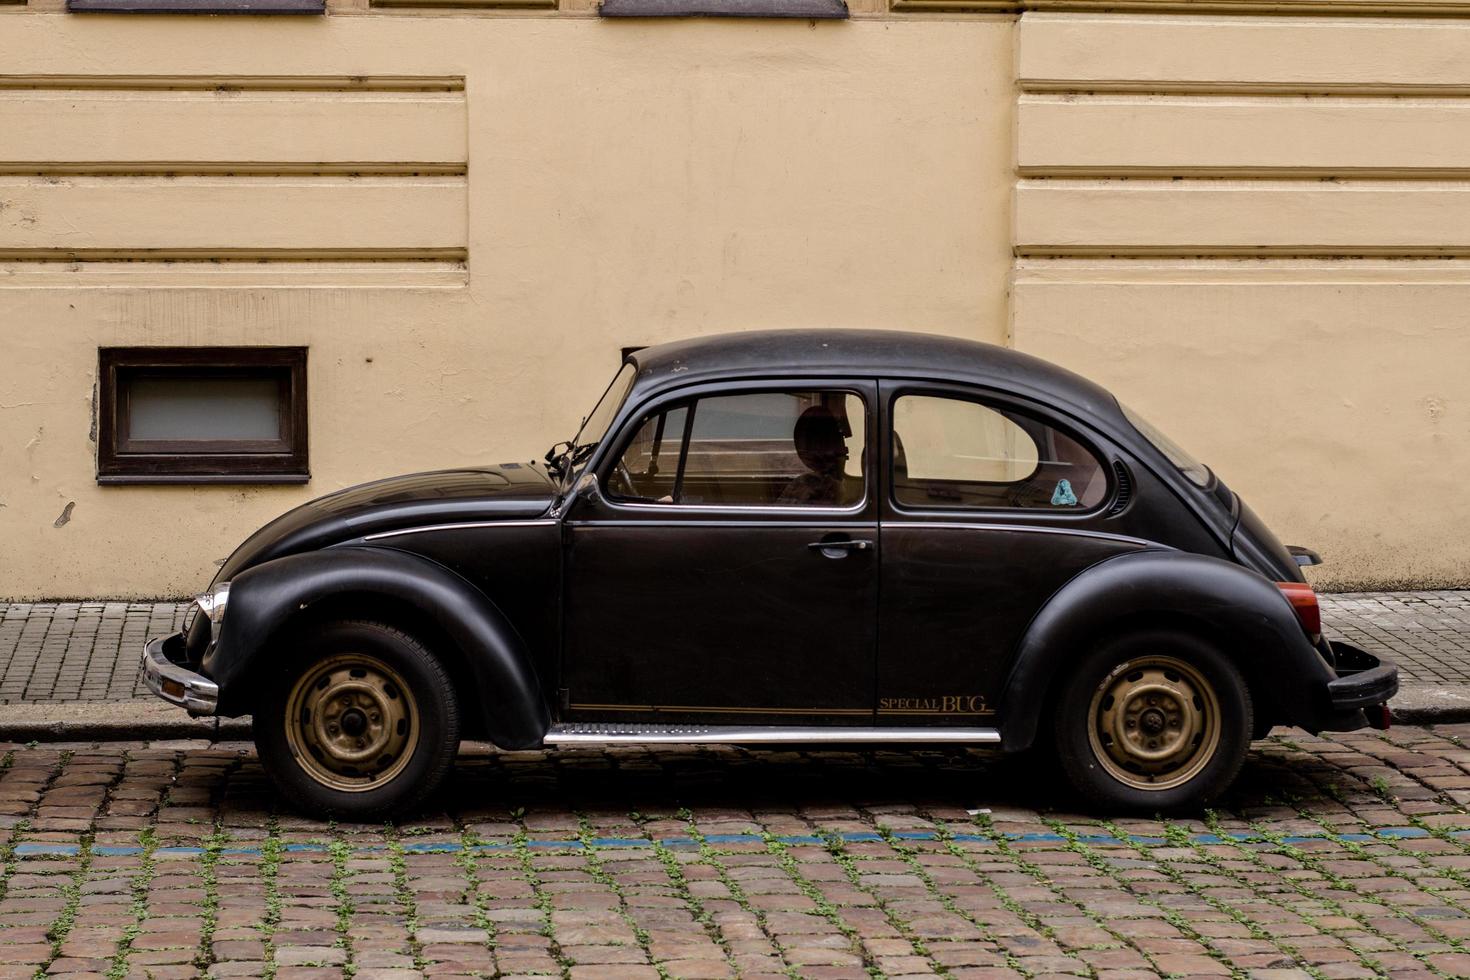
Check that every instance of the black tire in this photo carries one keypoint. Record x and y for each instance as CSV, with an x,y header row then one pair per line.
x,y
427,707
1117,678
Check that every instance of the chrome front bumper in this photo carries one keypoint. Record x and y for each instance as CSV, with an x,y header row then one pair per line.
x,y
175,683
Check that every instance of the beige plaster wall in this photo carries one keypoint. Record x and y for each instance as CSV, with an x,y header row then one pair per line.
x,y
1253,229
464,261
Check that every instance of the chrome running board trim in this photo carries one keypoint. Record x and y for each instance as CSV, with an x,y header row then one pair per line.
x,y
601,733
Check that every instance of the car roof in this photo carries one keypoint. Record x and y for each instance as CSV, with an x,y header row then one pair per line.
x,y
869,353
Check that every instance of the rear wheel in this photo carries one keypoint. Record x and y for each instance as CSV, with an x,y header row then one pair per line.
x,y
365,726
1154,721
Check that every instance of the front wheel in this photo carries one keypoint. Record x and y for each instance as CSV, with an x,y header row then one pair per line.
x,y
1154,721
364,726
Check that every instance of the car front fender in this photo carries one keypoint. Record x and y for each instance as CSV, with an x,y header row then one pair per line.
x,y
266,601
1233,607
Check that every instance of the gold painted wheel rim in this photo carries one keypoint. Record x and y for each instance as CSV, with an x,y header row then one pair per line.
x,y
1154,722
351,723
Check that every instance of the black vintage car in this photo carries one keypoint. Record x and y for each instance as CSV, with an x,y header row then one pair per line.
x,y
809,537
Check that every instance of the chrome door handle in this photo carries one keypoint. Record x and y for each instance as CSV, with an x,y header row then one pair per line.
x,y
841,546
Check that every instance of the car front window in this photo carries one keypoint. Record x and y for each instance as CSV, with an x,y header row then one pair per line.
x,y
1195,471
595,425
800,448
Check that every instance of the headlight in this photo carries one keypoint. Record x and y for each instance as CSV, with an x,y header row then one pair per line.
x,y
212,604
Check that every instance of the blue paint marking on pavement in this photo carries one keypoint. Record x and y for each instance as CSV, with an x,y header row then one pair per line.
x,y
48,849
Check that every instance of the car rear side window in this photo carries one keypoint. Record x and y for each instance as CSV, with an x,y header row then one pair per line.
x,y
754,449
960,453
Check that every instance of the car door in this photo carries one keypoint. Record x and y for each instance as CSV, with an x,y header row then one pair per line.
x,y
991,504
723,568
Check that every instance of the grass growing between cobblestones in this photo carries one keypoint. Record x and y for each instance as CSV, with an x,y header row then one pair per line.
x,y
824,908
1307,898
711,856
468,861
773,869
403,894
598,871
138,908
341,853
946,841
1007,901
837,847
71,896
209,908
271,851
1072,844
680,883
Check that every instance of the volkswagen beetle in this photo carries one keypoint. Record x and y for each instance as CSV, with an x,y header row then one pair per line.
x,y
813,537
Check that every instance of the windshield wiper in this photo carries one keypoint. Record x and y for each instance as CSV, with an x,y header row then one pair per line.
x,y
557,458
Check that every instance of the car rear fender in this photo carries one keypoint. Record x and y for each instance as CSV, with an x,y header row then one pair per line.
x,y
1238,609
267,601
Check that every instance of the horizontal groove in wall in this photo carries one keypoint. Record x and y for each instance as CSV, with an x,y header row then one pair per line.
x,y
233,254
193,274
238,83
1345,90
1243,251
1262,271
191,169
1322,174
1330,8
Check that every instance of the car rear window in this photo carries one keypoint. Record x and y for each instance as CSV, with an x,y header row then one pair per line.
x,y
957,452
1196,472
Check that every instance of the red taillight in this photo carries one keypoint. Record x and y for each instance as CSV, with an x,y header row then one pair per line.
x,y
1304,603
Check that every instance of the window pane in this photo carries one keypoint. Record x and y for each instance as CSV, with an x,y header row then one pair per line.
x,y
949,452
651,460
765,449
1197,472
204,409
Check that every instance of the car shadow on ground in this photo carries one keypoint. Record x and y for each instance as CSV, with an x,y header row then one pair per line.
x,y
1278,780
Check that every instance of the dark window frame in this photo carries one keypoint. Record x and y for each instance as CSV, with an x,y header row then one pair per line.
x,y
690,400
1007,405
121,459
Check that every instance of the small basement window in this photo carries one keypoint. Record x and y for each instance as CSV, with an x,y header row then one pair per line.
x,y
202,415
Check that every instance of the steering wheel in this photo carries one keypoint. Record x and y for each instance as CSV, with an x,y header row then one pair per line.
x,y
621,480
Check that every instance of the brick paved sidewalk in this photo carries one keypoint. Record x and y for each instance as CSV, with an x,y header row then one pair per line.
x,y
88,651
1341,856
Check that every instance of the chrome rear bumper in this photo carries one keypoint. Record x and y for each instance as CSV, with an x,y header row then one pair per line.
x,y
175,683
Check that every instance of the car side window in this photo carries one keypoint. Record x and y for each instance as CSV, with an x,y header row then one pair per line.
x,y
763,449
955,452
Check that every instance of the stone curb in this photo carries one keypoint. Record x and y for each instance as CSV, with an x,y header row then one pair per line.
x,y
1429,704
141,720
111,721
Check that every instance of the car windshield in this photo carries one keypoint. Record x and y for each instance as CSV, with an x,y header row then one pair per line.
x,y
595,425
1197,472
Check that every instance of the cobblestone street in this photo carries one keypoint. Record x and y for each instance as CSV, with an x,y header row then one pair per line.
x,y
1339,856
1333,857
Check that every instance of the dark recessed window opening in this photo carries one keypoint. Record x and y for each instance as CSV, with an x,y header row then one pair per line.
x,y
201,415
